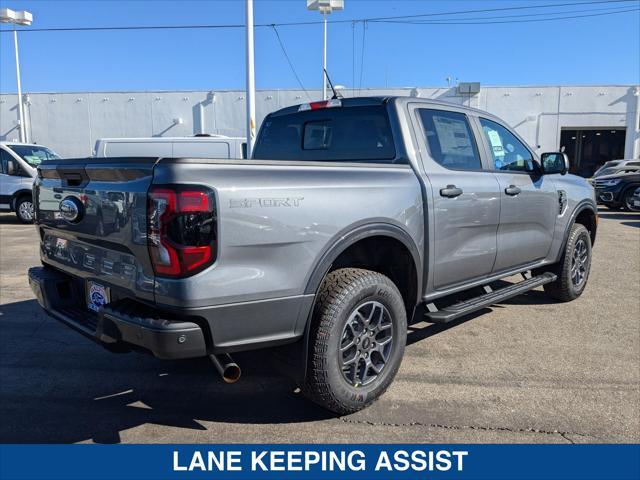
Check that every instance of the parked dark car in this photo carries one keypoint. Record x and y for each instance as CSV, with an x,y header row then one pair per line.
x,y
616,191
630,167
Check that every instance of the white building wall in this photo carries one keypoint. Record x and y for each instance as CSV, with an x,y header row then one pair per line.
x,y
70,123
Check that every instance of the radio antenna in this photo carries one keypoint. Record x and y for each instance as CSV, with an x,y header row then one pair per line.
x,y
335,92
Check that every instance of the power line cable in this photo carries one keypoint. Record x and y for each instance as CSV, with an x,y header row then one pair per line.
x,y
353,56
605,9
492,22
364,38
133,27
284,24
502,9
286,55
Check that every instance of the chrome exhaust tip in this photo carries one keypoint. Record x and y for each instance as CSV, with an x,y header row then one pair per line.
x,y
227,368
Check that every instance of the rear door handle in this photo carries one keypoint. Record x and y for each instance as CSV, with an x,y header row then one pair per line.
x,y
512,190
450,191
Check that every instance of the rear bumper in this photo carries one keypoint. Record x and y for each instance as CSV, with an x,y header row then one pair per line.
x,y
121,325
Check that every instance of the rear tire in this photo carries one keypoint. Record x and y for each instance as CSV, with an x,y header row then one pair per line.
x,y
356,341
24,209
573,268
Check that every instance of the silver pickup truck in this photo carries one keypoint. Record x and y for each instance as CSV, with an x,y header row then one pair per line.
x,y
353,218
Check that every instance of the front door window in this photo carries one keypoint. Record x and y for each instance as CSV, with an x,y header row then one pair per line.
x,y
508,153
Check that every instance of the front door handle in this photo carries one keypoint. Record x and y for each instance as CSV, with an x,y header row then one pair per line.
x,y
450,191
512,190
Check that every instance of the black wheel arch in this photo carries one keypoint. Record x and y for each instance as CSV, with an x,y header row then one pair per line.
x,y
585,213
628,189
345,240
19,194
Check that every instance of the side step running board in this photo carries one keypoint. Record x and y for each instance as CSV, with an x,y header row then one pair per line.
x,y
461,309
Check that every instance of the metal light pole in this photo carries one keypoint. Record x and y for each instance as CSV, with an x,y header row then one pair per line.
x,y
325,7
23,138
324,59
251,84
17,18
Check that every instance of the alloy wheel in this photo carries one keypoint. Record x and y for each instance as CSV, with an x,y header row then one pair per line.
x,y
366,343
628,202
579,263
25,210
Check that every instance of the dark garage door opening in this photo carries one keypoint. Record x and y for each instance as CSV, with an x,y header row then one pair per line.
x,y
588,149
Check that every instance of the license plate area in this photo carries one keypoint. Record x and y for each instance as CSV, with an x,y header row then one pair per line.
x,y
97,296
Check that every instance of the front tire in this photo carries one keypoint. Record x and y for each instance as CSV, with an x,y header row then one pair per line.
x,y
356,341
24,209
573,268
628,200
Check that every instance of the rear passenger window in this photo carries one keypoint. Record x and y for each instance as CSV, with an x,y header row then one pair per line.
x,y
509,153
450,140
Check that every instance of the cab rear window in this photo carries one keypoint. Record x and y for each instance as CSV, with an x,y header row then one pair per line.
x,y
339,134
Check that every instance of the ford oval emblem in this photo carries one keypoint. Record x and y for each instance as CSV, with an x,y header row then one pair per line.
x,y
71,209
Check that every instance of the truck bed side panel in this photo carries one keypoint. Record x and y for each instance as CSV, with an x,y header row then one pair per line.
x,y
275,220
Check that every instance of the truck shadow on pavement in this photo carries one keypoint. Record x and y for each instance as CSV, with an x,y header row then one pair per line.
x,y
10,219
420,330
58,387
632,218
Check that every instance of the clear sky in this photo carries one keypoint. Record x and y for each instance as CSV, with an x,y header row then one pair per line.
x,y
601,49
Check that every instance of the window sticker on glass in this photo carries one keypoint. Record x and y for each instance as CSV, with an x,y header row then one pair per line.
x,y
33,160
453,136
496,143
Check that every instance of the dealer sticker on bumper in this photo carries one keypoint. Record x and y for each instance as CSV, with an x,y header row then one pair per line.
x,y
97,296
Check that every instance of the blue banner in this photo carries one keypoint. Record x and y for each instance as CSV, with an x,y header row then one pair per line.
x,y
397,461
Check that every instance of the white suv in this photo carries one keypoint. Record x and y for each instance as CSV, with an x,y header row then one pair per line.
x,y
18,164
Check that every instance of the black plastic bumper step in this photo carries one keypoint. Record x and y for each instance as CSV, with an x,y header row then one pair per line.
x,y
461,309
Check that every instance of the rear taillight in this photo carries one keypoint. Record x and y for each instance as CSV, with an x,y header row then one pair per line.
x,y
181,229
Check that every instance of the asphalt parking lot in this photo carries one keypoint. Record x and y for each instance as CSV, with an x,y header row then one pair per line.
x,y
528,370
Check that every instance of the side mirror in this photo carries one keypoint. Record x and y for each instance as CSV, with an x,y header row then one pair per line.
x,y
12,168
555,162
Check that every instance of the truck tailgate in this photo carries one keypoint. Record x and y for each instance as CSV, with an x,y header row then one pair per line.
x,y
91,215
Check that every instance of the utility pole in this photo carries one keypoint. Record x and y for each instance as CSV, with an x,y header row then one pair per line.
x,y
251,84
